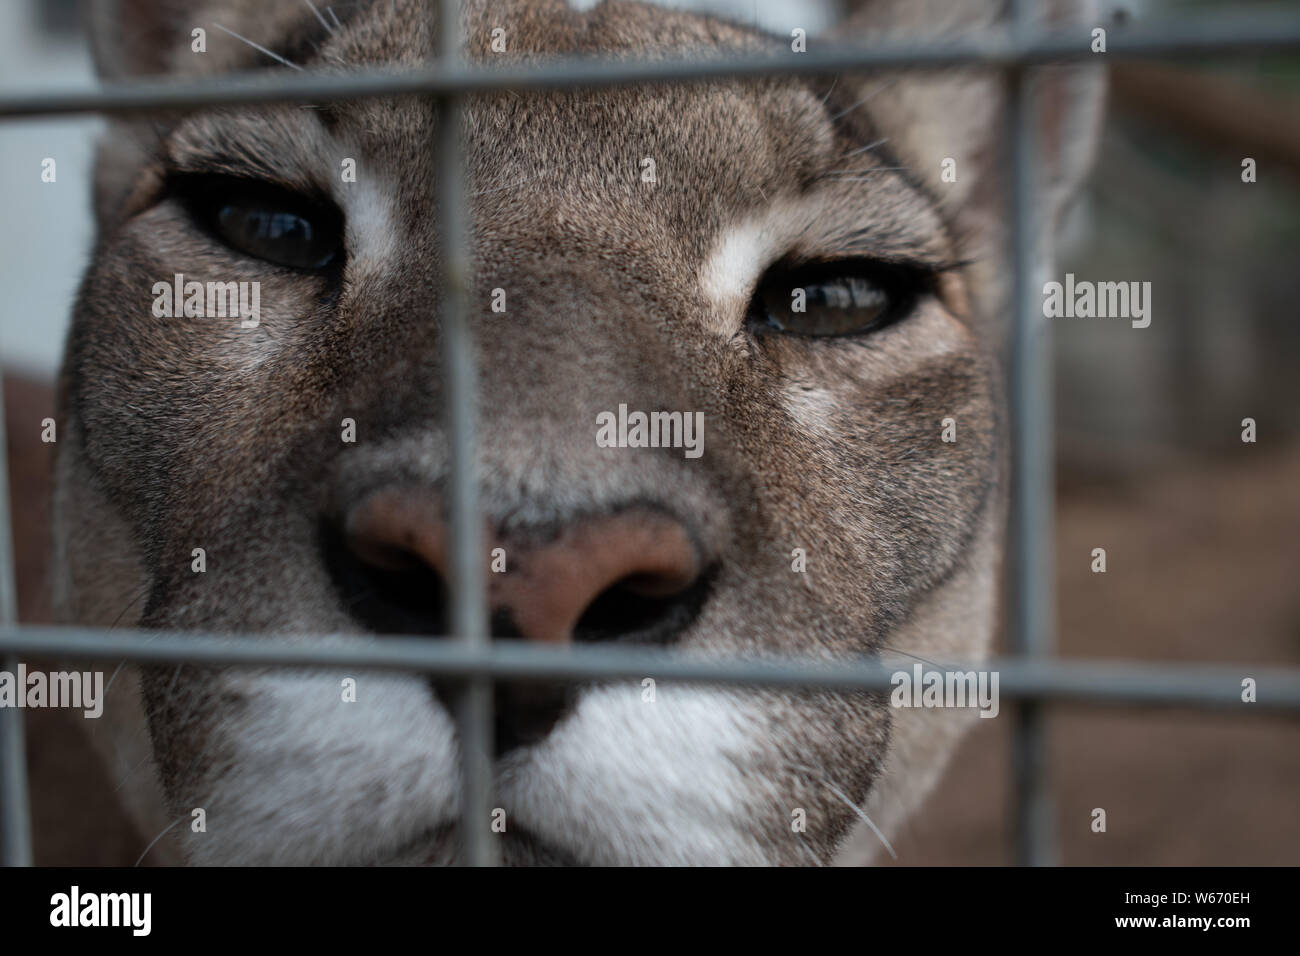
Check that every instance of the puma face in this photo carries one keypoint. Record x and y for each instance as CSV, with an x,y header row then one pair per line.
x,y
781,263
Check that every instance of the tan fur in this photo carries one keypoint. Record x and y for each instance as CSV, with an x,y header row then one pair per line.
x,y
191,433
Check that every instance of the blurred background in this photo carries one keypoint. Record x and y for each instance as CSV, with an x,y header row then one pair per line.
x,y
1201,530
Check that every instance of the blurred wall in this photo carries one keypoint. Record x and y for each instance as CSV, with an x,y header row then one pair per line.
x,y
47,230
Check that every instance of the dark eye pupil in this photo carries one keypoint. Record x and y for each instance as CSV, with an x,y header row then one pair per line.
x,y
277,235
835,298
848,293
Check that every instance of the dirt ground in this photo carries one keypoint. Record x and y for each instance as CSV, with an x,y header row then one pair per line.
x,y
1203,564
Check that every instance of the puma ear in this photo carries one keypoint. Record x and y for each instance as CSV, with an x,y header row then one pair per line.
x,y
139,37
959,115
129,38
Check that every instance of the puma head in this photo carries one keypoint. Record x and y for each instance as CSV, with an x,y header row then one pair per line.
x,y
806,272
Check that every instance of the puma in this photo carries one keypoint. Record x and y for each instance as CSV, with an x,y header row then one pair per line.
x,y
799,272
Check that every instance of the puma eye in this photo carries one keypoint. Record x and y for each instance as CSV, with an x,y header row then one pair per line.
x,y
275,233
267,222
826,299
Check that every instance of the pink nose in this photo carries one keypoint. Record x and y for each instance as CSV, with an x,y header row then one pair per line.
x,y
547,586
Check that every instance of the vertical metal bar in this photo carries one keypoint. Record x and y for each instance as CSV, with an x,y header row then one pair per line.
x,y
460,390
15,815
1032,608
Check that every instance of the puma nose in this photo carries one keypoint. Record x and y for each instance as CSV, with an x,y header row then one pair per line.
x,y
633,574
601,577
592,578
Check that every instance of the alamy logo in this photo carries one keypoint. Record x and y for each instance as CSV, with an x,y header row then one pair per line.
x,y
933,688
1098,300
75,908
651,430
76,689
208,300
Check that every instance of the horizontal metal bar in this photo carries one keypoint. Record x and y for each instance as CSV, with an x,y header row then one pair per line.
x,y
1098,682
1218,36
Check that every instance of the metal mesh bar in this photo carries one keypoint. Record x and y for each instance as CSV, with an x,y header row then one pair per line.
x,y
1031,557
460,378
994,49
1115,682
474,659
15,829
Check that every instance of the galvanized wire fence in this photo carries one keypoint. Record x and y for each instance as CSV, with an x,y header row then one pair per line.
x,y
472,661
